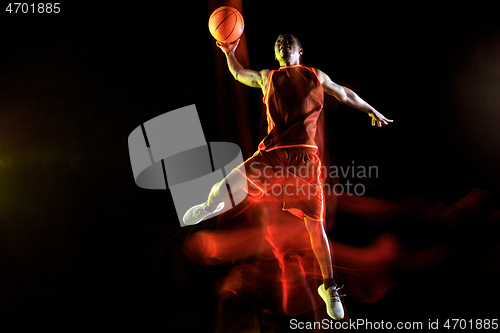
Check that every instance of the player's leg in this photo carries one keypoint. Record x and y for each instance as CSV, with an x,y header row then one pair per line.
x,y
218,198
321,248
248,178
234,184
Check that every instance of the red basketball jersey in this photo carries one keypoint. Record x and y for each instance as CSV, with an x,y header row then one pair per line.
x,y
294,100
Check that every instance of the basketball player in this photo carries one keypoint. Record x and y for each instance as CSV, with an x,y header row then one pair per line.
x,y
293,95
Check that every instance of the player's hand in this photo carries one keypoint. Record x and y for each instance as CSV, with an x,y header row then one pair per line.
x,y
226,48
379,119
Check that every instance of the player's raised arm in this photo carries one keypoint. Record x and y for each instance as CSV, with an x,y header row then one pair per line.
x,y
349,97
246,76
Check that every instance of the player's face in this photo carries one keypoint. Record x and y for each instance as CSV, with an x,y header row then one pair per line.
x,y
286,47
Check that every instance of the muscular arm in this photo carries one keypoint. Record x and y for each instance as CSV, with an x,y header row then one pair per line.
x,y
349,97
246,76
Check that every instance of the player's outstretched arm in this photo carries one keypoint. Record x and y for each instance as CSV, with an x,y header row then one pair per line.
x,y
246,76
349,97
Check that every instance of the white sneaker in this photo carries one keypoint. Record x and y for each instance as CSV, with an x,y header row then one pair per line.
x,y
199,213
332,299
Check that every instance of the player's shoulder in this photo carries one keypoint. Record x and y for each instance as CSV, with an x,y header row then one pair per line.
x,y
320,74
264,75
317,71
265,72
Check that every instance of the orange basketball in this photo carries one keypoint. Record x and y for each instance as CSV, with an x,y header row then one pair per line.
x,y
226,24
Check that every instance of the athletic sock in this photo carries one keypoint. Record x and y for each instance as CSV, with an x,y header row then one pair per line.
x,y
329,282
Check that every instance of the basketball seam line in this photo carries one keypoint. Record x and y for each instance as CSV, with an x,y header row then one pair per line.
x,y
232,13
235,23
225,19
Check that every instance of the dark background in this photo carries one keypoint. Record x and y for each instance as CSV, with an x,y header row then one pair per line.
x,y
81,244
